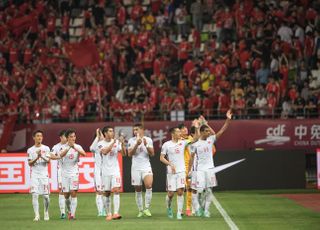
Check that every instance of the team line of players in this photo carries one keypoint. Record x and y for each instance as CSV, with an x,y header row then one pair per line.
x,y
189,161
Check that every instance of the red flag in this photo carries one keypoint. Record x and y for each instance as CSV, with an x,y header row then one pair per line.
x,y
82,54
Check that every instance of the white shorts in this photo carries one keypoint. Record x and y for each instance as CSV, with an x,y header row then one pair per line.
x,y
70,183
110,182
176,181
137,176
98,179
40,186
59,179
203,179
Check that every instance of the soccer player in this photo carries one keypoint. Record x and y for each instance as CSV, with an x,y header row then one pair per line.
x,y
38,160
70,154
201,162
55,151
98,173
185,136
140,148
111,178
176,170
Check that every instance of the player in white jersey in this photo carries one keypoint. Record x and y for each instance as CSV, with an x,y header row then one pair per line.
x,y
203,176
140,148
38,159
55,151
111,176
176,170
98,173
70,154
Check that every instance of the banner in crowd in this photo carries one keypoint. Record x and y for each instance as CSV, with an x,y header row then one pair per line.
x,y
241,134
15,173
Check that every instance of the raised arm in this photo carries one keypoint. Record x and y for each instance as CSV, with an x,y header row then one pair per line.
x,y
226,124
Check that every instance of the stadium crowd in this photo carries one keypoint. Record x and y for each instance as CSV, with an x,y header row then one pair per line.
x,y
261,58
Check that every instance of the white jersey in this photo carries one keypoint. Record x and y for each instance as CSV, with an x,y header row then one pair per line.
x,y
140,159
203,158
94,148
40,167
175,153
70,160
56,149
110,164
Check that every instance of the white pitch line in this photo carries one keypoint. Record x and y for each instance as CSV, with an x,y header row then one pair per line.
x,y
224,214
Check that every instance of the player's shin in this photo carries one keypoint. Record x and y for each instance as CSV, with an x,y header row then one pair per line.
x,y
139,201
99,203
68,204
46,202
108,205
35,204
168,201
180,201
116,203
208,200
62,204
74,203
195,202
148,197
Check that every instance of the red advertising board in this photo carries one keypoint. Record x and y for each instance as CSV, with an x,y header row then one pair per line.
x,y
15,173
241,134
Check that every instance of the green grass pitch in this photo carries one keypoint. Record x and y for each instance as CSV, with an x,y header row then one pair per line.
x,y
248,210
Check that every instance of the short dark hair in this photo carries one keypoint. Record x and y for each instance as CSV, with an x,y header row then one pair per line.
x,y
62,133
69,132
105,129
37,131
173,129
203,127
139,125
181,126
193,130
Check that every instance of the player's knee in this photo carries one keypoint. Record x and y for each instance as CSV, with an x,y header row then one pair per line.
x,y
180,192
138,188
107,194
170,194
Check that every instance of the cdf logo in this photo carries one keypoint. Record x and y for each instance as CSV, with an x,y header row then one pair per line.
x,y
274,136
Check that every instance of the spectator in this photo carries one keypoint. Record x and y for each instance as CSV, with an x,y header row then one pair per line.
x,y
196,10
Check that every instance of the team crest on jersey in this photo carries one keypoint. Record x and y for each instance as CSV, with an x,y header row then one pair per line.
x,y
100,146
209,142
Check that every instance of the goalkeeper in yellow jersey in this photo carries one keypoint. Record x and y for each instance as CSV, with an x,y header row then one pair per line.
x,y
190,138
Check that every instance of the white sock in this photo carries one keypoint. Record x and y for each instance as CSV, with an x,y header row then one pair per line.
x,y
139,200
116,203
68,204
148,197
99,203
35,204
46,202
74,203
195,201
202,199
168,201
62,204
180,200
208,200
108,205
103,202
